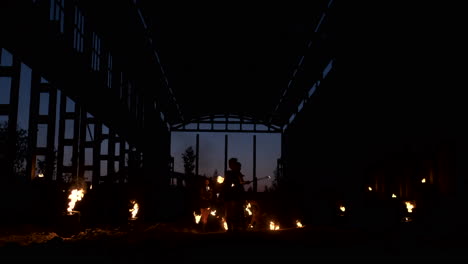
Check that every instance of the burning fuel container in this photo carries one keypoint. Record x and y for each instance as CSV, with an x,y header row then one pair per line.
x,y
69,224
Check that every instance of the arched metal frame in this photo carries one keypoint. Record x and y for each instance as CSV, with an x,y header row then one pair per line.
x,y
193,125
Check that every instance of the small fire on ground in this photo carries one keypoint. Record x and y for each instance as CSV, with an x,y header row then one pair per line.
x,y
197,217
247,209
274,226
225,225
299,224
410,206
134,210
75,196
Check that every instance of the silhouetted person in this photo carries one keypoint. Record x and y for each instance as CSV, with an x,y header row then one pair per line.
x,y
205,201
233,195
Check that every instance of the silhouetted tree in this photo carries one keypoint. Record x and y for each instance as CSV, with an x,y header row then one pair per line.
x,y
190,181
189,160
21,140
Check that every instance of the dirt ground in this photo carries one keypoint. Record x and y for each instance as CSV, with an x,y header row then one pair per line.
x,y
149,242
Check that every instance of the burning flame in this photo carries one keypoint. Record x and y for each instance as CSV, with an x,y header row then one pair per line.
x,y
409,206
299,224
91,187
247,209
423,180
370,188
213,212
134,210
274,226
197,217
342,208
220,179
393,195
74,196
40,175
224,224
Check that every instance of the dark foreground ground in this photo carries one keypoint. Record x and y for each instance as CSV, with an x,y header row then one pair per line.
x,y
165,242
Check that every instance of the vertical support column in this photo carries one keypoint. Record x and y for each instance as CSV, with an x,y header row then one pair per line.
x,y
81,143
61,135
279,168
197,152
50,151
283,154
122,170
225,152
76,141
111,156
104,137
97,152
254,173
33,121
13,117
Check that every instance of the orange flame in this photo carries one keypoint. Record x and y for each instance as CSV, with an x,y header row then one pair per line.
x,y
299,224
197,217
274,226
220,179
135,209
225,225
75,195
247,209
410,206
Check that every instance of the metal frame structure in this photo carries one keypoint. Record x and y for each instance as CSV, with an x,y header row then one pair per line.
x,y
67,67
103,58
226,120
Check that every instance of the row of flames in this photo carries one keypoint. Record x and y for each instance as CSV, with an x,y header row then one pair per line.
x,y
78,194
273,225
410,205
